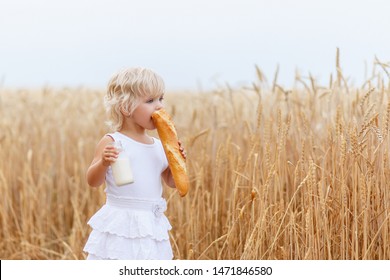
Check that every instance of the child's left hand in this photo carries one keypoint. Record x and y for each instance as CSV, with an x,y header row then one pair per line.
x,y
182,151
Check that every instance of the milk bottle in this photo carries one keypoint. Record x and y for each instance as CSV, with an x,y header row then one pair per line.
x,y
121,168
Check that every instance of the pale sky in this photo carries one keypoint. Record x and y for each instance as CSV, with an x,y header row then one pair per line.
x,y
192,44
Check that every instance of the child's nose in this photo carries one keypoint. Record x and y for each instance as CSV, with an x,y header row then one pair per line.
x,y
159,105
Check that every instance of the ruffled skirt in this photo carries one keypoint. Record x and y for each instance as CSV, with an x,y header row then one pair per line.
x,y
130,229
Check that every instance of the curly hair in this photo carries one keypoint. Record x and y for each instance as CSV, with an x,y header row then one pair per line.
x,y
125,91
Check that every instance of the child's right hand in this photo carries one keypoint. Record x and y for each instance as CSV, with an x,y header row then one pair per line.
x,y
109,155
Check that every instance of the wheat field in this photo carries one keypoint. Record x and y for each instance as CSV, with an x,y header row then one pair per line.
x,y
291,174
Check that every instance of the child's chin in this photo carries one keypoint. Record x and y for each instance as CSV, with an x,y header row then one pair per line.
x,y
151,127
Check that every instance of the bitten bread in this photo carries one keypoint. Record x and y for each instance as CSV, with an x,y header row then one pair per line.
x,y
168,136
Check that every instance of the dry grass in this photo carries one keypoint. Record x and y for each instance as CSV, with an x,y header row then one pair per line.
x,y
275,174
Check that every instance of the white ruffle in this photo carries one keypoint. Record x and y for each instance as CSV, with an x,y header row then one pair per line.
x,y
109,246
130,223
123,233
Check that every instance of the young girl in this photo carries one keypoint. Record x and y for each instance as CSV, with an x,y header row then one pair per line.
x,y
132,224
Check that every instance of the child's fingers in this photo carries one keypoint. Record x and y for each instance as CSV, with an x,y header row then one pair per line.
x,y
109,155
182,151
110,148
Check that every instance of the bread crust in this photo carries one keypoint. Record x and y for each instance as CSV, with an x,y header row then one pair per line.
x,y
168,136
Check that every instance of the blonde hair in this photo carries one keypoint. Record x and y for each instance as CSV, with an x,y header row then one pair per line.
x,y
125,91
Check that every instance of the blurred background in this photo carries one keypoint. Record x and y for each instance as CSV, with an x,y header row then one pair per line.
x,y
194,44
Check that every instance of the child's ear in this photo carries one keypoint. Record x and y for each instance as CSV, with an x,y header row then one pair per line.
x,y
125,112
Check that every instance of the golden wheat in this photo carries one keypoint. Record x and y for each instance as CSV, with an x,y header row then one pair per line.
x,y
278,174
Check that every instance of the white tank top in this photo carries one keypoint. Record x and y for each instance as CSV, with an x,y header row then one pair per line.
x,y
148,161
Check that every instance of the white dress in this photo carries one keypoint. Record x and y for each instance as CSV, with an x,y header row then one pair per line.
x,y
132,225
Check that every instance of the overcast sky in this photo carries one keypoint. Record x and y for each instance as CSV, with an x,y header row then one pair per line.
x,y
192,44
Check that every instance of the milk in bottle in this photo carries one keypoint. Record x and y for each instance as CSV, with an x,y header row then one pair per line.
x,y
121,168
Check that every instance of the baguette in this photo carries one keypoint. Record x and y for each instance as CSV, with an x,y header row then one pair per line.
x,y
168,136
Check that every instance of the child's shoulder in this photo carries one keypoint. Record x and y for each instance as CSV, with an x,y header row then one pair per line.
x,y
107,138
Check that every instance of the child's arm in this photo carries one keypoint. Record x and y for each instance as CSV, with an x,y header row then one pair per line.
x,y
105,155
168,178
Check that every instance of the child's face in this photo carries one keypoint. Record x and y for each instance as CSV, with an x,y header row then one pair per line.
x,y
142,114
